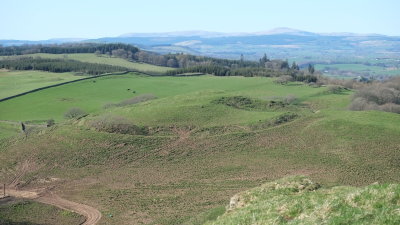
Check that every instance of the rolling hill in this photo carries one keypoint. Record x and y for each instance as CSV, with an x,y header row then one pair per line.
x,y
304,47
177,157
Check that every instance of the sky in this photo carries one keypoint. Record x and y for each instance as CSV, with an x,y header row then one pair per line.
x,y
46,19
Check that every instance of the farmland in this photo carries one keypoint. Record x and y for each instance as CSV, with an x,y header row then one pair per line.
x,y
165,113
102,59
92,95
354,70
15,82
208,138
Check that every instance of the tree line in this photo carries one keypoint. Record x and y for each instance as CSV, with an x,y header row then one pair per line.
x,y
269,68
58,65
66,49
184,63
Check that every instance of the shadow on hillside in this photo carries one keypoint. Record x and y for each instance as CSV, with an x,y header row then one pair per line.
x,y
10,222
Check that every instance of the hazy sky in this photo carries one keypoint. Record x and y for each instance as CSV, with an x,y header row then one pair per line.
x,y
45,19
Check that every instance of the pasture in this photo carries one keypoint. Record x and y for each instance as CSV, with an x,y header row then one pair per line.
x,y
15,82
204,147
102,59
173,93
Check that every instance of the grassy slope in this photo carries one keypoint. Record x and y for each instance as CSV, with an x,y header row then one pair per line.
x,y
188,93
32,213
92,58
293,200
8,129
15,82
172,178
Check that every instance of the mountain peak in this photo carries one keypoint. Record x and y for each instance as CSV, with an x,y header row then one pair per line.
x,y
286,30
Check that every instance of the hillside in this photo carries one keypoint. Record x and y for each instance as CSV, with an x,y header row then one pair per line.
x,y
298,200
172,150
114,61
32,213
200,113
15,82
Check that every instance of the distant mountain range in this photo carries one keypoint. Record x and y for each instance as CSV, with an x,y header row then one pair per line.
x,y
207,34
302,46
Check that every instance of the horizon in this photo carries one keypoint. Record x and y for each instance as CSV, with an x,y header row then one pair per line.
x,y
175,33
42,20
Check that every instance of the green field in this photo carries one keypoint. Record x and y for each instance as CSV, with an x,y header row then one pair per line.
x,y
92,58
8,129
184,92
361,69
15,82
199,151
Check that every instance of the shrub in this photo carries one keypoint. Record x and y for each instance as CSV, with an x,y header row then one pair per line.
x,y
117,124
349,84
335,89
236,102
378,96
286,117
284,79
289,99
74,113
50,123
390,107
359,104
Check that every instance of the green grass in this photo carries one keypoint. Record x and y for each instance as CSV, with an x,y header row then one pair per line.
x,y
201,151
181,97
297,200
32,213
92,58
9,129
15,82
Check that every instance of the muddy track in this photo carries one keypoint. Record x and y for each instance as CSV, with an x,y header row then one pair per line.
x,y
91,214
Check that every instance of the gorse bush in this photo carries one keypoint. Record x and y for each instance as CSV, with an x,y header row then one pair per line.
x,y
378,96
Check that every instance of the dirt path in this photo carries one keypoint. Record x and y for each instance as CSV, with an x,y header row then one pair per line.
x,y
92,215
